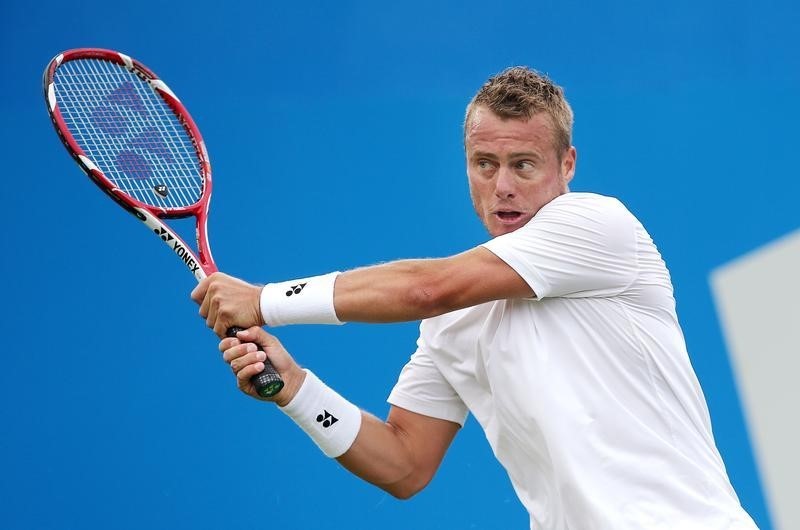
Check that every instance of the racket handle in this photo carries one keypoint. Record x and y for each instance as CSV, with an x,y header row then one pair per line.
x,y
268,382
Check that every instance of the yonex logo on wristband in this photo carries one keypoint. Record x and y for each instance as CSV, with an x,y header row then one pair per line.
x,y
327,419
295,289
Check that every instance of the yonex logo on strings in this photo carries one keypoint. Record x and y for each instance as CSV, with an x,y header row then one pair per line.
x,y
326,419
295,289
108,119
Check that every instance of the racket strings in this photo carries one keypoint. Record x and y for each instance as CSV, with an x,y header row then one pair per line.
x,y
127,129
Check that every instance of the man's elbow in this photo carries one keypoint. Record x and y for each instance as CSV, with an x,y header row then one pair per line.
x,y
402,494
432,298
407,488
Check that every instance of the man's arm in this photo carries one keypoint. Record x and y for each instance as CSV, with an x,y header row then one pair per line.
x,y
400,455
416,289
393,292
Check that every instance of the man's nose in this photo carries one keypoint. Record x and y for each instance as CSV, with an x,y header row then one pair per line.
x,y
504,187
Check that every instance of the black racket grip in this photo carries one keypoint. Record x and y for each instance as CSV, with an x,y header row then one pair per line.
x,y
268,382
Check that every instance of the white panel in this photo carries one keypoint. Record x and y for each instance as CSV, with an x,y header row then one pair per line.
x,y
758,299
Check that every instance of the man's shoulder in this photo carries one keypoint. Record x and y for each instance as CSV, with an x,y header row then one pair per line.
x,y
584,199
585,206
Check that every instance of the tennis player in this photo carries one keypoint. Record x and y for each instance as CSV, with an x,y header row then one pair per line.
x,y
559,335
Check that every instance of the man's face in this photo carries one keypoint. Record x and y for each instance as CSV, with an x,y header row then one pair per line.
x,y
513,168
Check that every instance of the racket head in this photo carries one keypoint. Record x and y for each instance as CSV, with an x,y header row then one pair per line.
x,y
133,137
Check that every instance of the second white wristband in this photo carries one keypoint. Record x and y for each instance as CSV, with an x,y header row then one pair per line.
x,y
328,418
302,301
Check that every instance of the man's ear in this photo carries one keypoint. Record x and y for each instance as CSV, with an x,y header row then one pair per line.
x,y
568,162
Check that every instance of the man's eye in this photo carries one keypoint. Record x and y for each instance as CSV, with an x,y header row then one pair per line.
x,y
484,164
525,165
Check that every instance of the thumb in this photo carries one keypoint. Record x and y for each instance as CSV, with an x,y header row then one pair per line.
x,y
199,292
258,336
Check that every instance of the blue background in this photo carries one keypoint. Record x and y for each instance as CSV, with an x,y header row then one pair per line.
x,y
334,133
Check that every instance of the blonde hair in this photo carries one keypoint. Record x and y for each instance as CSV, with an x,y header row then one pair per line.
x,y
519,93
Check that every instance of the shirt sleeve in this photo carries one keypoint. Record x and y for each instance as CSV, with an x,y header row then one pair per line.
x,y
421,388
578,245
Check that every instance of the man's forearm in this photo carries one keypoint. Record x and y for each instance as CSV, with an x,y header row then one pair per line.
x,y
400,455
379,457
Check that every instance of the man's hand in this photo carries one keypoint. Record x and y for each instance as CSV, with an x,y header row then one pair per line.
x,y
226,302
246,360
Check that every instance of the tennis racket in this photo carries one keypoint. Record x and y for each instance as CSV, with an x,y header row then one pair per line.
x,y
132,136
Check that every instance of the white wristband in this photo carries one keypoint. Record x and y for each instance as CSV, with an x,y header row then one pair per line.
x,y
328,418
303,301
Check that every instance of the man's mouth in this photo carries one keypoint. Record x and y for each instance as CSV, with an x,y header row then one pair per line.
x,y
508,216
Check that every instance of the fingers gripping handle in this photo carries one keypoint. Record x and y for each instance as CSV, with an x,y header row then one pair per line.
x,y
267,383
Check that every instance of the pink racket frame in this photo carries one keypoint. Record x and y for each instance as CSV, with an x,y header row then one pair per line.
x,y
200,263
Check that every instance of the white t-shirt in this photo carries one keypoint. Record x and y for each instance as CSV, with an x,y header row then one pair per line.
x,y
585,393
